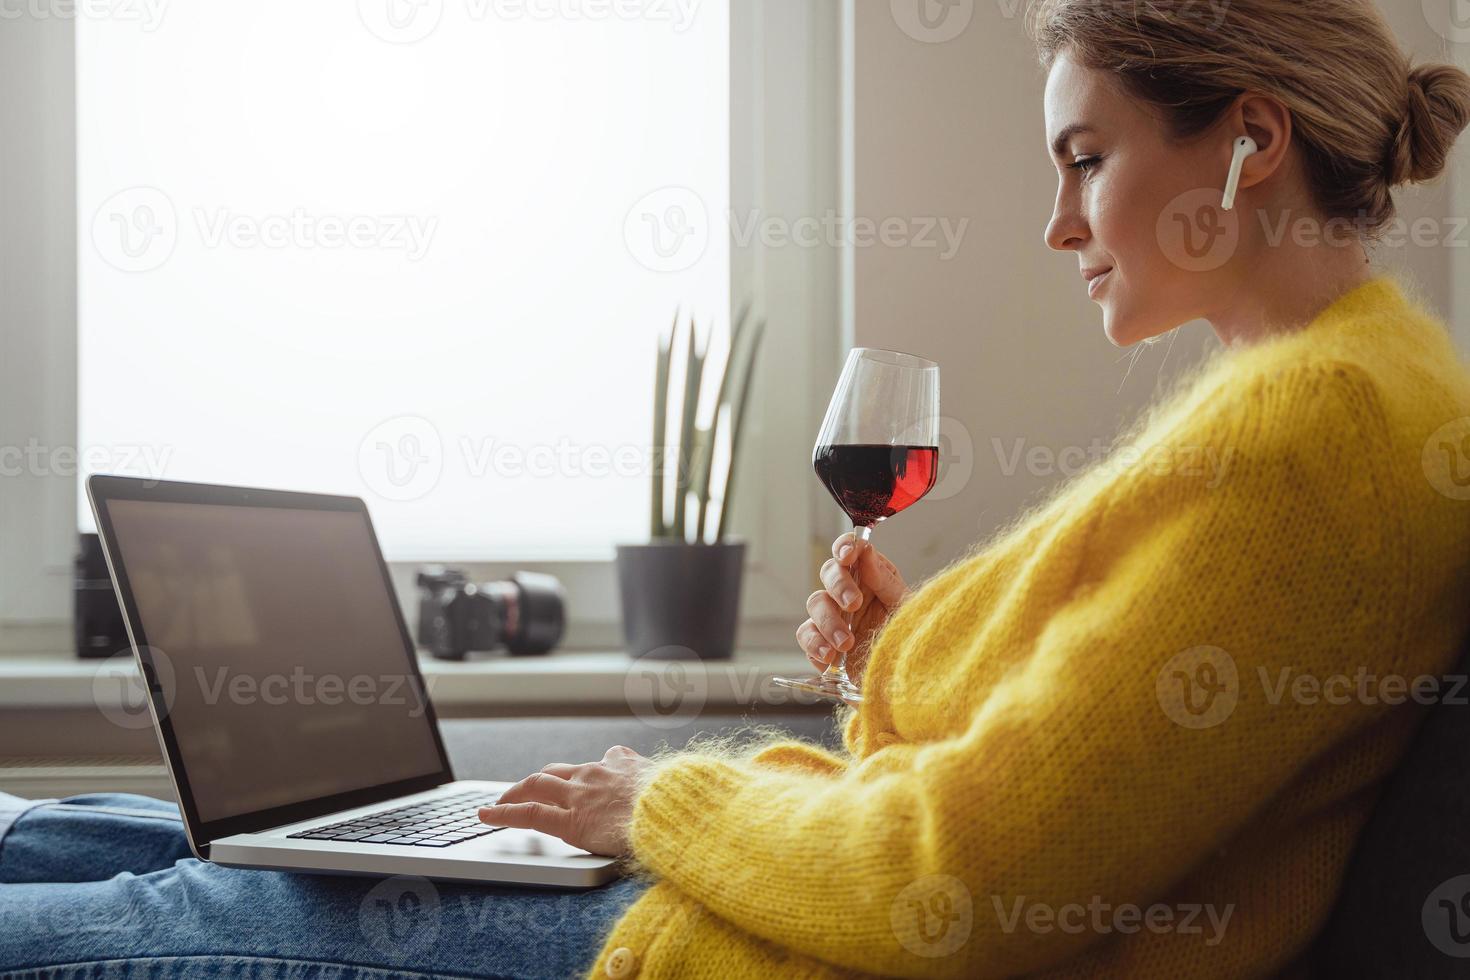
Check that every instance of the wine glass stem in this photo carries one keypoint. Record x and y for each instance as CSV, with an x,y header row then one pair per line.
x,y
838,667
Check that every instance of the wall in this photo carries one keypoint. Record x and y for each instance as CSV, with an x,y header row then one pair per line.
x,y
37,316
954,128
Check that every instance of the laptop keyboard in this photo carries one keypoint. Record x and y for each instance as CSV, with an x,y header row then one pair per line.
x,y
439,822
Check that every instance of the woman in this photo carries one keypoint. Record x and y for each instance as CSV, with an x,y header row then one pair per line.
x,y
1111,742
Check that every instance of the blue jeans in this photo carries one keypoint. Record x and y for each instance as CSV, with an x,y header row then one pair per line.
x,y
104,886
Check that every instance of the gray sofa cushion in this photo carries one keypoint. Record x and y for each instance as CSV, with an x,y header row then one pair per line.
x,y
510,748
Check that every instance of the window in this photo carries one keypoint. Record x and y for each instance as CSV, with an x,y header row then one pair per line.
x,y
416,253
220,156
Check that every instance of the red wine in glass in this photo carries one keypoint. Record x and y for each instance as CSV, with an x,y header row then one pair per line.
x,y
871,483
877,453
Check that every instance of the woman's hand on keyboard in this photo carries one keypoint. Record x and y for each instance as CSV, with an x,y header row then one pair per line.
x,y
588,806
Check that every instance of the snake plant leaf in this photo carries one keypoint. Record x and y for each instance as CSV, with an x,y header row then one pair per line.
x,y
705,471
656,527
703,452
693,371
737,429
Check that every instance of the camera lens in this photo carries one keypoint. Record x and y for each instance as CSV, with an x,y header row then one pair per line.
x,y
536,618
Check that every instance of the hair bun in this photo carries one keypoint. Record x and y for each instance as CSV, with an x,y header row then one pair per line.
x,y
1438,110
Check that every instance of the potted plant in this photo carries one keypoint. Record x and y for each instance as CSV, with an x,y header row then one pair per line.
x,y
681,590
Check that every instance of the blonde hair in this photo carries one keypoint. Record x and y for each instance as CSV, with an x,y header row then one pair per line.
x,y
1364,119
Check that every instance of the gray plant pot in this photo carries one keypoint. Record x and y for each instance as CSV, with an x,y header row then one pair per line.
x,y
680,601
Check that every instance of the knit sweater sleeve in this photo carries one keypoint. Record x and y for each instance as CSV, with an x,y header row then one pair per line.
x,y
1144,726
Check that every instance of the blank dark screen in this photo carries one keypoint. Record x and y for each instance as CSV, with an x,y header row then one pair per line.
x,y
290,679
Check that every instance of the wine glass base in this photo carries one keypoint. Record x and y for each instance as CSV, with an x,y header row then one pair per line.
x,y
823,686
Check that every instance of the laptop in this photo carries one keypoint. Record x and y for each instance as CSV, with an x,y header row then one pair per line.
x,y
286,693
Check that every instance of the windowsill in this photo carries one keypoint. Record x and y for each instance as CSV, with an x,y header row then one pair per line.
x,y
568,681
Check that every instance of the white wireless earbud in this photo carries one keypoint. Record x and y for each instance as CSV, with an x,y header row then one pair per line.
x,y
1244,147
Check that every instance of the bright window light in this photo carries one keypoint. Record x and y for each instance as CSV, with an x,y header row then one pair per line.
x,y
417,251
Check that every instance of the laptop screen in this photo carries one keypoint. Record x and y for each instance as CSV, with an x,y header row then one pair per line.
x,y
278,646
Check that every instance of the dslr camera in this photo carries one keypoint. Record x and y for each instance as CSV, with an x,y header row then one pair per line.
x,y
526,613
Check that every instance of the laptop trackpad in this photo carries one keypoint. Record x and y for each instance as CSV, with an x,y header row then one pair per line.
x,y
526,843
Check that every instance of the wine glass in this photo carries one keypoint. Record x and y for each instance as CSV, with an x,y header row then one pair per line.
x,y
877,453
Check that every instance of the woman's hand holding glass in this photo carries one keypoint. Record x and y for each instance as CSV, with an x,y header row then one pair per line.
x,y
860,583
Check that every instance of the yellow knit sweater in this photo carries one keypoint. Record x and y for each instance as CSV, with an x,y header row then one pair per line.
x,y
1136,734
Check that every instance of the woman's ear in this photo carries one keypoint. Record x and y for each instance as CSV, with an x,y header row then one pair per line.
x,y
1267,121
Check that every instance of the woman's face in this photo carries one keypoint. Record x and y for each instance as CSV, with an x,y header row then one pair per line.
x,y
1141,211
